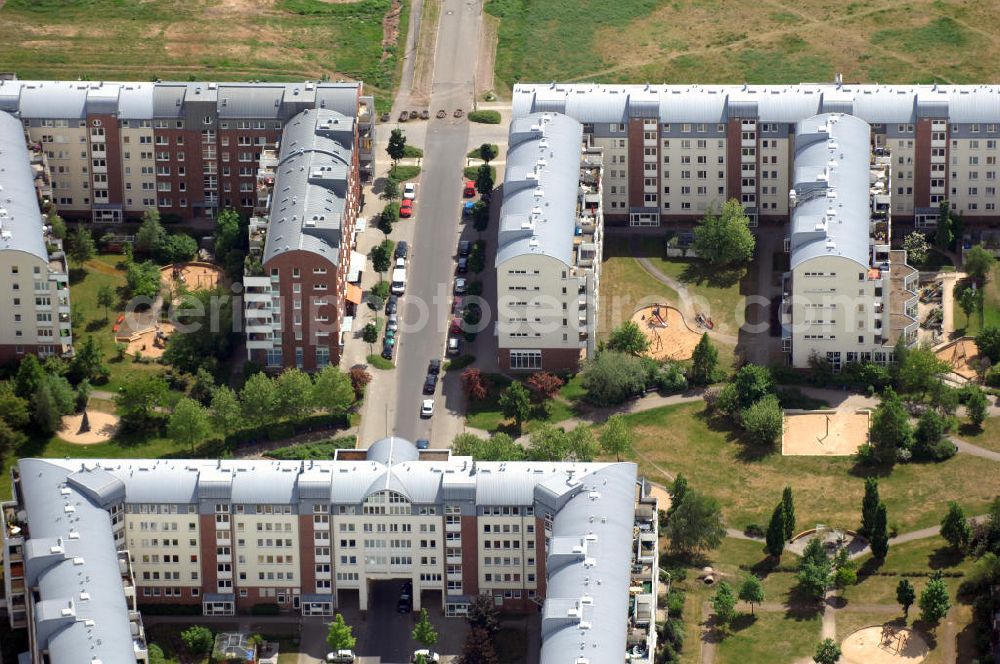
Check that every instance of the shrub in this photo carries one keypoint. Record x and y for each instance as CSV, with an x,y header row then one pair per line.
x,y
323,449
459,363
754,530
485,117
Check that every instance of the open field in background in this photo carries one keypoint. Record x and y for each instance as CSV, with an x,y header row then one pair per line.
x,y
748,481
199,40
729,41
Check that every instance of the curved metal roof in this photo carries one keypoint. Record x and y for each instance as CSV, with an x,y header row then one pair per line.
x,y
20,216
392,450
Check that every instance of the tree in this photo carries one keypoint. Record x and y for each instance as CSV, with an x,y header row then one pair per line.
x,y
381,256
969,298
81,246
483,614
29,376
57,225
774,541
189,423
921,371
484,181
475,385
499,447
616,437
763,420
916,248
628,338
480,216
814,570
724,603
869,506
295,393
696,524
725,239
359,380
197,639
879,537
487,152
788,504
332,391
105,298
548,443
225,410
677,490
396,147
978,263
612,378
207,318
545,385
515,403
478,648
845,570
976,406
827,652
905,595
752,591
944,236
13,409
156,655
88,363
259,399
934,603
138,401
45,413
581,444
151,235
339,636
988,342
229,242
955,528
890,428
752,383
424,632
142,279
704,362
390,189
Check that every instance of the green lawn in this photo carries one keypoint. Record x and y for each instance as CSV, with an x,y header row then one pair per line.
x,y
970,325
720,300
486,415
988,437
403,173
474,152
472,172
573,389
748,481
770,637
625,286
279,40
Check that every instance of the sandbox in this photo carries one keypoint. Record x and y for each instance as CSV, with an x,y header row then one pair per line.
x,y
961,355
884,644
103,427
669,336
824,432
194,275
150,341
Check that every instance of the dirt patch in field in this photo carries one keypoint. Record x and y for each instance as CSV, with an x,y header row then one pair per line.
x,y
669,336
103,427
824,433
242,7
884,645
390,27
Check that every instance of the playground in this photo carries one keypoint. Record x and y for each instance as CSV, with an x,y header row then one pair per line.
x,y
149,340
884,644
824,432
100,428
193,276
962,355
669,336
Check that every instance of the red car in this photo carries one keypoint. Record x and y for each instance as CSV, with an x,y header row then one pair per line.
x,y
470,189
406,208
456,326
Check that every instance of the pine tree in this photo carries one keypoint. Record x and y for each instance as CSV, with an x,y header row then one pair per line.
x,y
788,505
934,602
955,528
775,539
905,595
869,505
704,361
879,538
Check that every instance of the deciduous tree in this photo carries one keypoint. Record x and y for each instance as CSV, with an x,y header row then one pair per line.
x,y
628,338
976,406
934,603
696,524
725,239
198,640
916,248
763,420
189,423
106,298
827,652
340,635
613,378
616,437
890,428
515,403
225,409
752,591
724,603
396,147
295,393
475,384
81,246
955,527
487,152
545,385
704,362
332,391
259,399
484,181
424,632
978,262
905,595
752,383
814,569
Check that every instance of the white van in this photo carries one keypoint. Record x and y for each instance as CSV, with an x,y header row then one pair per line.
x,y
398,285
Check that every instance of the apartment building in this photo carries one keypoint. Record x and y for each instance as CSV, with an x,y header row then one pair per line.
x,y
307,535
847,297
549,245
32,263
187,149
297,294
674,151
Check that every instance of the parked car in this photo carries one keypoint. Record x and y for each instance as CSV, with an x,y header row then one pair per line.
x,y
427,408
430,383
456,326
409,191
390,335
404,605
430,657
458,306
387,350
398,284
461,285
392,323
341,657
469,190
454,345
463,265
390,304
406,208
402,249
434,367
423,443
400,262
464,248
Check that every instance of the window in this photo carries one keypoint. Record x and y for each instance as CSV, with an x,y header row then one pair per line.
x,y
521,359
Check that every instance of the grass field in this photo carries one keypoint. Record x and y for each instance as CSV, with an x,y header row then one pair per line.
x,y
486,414
748,480
723,41
173,40
971,325
988,437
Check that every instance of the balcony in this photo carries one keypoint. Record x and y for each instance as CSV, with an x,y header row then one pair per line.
x,y
322,559
453,527
748,143
453,560
225,576
224,558
748,159
454,576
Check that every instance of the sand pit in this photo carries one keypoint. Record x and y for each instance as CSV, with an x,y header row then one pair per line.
x,y
102,428
824,432
195,276
669,336
884,644
961,355
145,341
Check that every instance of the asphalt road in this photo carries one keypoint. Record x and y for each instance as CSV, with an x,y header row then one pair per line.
x,y
426,306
